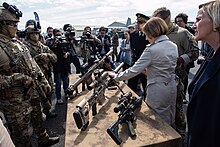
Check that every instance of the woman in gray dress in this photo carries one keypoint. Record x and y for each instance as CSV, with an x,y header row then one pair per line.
x,y
158,61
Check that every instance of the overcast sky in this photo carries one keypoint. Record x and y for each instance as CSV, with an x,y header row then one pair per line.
x,y
56,13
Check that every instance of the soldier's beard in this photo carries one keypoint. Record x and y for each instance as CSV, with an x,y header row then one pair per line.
x,y
9,31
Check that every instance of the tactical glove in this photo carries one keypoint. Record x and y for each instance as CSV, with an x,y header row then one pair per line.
x,y
46,105
20,78
42,58
46,88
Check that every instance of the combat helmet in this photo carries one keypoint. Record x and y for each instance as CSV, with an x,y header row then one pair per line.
x,y
9,13
30,22
31,29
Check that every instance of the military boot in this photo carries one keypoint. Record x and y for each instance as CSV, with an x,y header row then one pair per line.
x,y
51,114
49,142
45,140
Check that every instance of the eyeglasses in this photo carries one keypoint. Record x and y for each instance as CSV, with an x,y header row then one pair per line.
x,y
12,23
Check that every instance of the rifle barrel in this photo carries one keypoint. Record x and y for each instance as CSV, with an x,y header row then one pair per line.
x,y
119,67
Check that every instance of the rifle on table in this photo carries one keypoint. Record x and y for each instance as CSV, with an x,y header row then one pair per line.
x,y
126,105
81,115
85,77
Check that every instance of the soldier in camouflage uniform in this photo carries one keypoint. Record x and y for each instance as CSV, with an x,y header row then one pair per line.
x,y
21,82
188,52
14,81
44,58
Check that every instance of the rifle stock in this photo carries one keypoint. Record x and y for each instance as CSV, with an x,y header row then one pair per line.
x,y
85,77
126,116
113,132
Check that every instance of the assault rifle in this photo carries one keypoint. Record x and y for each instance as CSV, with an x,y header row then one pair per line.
x,y
85,77
126,105
81,115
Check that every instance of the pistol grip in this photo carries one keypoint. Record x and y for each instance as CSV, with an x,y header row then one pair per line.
x,y
94,110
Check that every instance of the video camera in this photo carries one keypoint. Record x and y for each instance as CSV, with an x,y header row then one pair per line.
x,y
86,37
21,33
70,32
62,43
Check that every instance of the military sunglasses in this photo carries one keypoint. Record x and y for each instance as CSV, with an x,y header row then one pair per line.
x,y
12,23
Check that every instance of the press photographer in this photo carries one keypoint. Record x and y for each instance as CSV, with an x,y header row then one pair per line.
x,y
59,45
89,43
70,32
104,47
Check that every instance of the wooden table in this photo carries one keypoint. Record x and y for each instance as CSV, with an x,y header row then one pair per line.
x,y
151,130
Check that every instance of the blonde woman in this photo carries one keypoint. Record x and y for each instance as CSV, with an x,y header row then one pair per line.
x,y
203,112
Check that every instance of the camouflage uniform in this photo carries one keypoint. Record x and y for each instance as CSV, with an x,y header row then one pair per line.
x,y
188,50
14,97
44,58
14,84
21,82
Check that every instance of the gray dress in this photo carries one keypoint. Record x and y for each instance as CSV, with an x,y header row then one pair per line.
x,y
160,60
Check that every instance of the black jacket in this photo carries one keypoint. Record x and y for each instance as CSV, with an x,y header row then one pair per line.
x,y
203,112
106,47
63,64
138,44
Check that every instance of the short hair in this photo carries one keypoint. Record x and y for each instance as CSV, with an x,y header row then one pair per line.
x,y
162,12
104,29
212,8
155,27
67,26
48,28
86,27
56,31
183,16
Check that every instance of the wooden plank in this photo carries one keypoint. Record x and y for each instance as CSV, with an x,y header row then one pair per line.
x,y
151,130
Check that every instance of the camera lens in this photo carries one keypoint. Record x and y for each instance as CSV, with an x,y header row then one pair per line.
x,y
72,34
